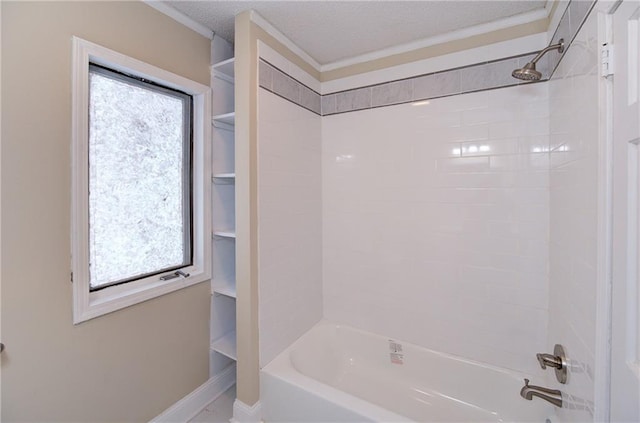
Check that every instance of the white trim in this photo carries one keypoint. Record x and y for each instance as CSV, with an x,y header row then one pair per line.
x,y
481,54
271,30
87,305
191,405
602,359
0,189
521,19
472,31
180,17
242,413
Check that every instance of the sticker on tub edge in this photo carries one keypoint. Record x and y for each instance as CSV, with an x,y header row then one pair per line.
x,y
395,352
395,347
396,358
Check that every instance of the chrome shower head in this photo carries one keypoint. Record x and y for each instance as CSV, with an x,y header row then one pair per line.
x,y
528,72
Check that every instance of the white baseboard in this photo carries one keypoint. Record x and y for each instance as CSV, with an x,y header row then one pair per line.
x,y
191,405
242,413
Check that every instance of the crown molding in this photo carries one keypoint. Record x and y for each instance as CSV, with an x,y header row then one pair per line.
x,y
509,22
180,17
275,33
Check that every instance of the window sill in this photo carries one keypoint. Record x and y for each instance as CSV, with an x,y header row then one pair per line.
x,y
118,297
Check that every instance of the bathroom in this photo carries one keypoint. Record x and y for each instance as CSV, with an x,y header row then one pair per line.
x,y
419,193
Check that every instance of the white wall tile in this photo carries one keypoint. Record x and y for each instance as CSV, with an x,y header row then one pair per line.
x,y
424,240
290,223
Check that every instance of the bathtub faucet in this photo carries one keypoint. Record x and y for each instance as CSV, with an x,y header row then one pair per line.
x,y
529,391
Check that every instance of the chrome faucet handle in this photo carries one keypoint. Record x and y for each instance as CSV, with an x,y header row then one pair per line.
x,y
557,360
549,360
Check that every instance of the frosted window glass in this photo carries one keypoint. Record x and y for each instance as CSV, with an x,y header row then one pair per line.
x,y
138,212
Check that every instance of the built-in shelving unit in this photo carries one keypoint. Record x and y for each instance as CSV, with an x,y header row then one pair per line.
x,y
223,282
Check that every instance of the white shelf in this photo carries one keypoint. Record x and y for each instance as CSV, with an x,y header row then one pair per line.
x,y
225,120
224,287
225,234
223,178
224,175
222,328
226,345
225,70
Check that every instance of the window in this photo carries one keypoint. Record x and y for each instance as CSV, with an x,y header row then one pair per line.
x,y
140,178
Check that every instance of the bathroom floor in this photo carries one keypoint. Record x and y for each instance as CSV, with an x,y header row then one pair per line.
x,y
220,410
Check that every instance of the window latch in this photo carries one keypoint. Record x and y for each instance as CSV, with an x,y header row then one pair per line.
x,y
176,274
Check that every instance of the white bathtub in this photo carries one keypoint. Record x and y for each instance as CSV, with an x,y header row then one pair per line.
x,y
335,373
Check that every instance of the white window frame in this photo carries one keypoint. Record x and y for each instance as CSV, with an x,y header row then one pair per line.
x,y
86,304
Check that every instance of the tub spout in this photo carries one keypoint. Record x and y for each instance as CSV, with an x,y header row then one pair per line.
x,y
529,391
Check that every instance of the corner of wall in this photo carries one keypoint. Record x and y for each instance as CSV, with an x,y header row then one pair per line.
x,y
242,413
248,371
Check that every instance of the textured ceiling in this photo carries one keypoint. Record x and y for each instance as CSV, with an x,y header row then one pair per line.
x,y
330,31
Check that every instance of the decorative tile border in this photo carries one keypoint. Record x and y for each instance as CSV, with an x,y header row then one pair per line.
x,y
477,77
283,85
468,79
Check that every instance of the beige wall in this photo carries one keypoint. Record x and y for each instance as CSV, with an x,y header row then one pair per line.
x,y
246,102
126,366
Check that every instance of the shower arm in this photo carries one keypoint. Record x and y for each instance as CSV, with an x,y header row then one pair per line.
x,y
559,47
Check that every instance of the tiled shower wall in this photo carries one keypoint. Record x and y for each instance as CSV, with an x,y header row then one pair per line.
x,y
435,223
290,213
574,128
